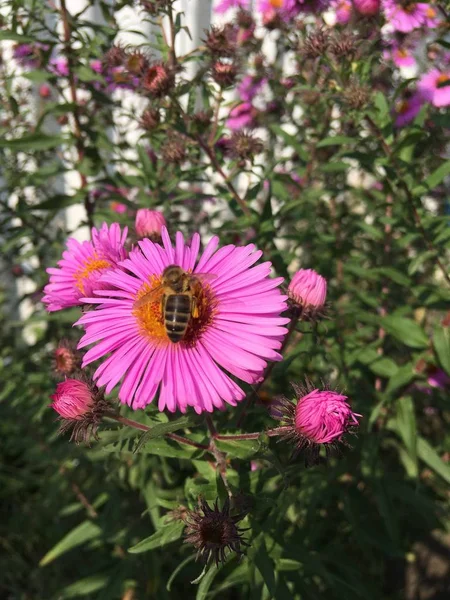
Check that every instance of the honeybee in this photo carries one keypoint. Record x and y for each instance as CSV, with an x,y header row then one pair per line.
x,y
179,301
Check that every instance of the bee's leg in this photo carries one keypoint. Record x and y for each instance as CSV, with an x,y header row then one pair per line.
x,y
194,309
163,297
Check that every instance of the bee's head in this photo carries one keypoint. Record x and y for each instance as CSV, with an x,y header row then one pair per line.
x,y
173,275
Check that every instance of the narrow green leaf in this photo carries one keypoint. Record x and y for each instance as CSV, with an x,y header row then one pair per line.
x,y
406,427
431,458
441,342
406,331
168,534
33,141
84,586
438,175
336,140
239,448
179,568
82,533
162,428
264,564
206,582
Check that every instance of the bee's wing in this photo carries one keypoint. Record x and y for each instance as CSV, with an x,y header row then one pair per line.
x,y
148,297
206,277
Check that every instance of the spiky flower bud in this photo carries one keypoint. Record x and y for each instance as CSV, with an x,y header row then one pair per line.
x,y
224,73
244,145
137,62
315,44
65,358
317,418
149,223
213,531
115,57
307,294
174,149
220,40
150,119
344,46
81,408
356,96
158,80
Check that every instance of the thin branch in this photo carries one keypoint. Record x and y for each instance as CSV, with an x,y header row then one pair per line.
x,y
252,436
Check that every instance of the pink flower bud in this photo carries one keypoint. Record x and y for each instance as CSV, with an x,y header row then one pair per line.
x,y
367,7
45,91
149,222
323,416
73,399
308,289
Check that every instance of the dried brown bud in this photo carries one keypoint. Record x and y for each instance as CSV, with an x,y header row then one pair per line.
x,y
150,119
315,44
344,46
137,62
174,149
115,57
213,531
158,80
356,96
224,73
244,145
66,359
220,40
245,20
153,7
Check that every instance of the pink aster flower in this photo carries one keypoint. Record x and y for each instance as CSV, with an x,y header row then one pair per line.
x,y
407,109
96,65
431,17
149,223
308,292
401,56
434,87
59,66
405,17
367,7
235,326
82,265
438,378
241,116
73,399
317,418
225,5
118,207
343,10
249,87
285,9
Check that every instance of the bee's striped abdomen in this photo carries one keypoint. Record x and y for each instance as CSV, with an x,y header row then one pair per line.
x,y
177,314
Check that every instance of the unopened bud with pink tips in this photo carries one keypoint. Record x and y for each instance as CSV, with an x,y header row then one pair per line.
x,y
367,7
149,223
308,291
73,399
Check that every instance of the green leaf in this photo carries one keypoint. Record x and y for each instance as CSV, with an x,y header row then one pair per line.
x,y
15,37
84,586
384,366
441,342
206,582
264,564
82,533
179,568
438,175
432,459
404,375
406,331
406,427
336,140
166,535
239,448
33,141
162,428
57,202
168,448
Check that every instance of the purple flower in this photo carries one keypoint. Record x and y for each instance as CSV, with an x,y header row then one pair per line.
x,y
249,87
405,18
225,5
407,109
434,87
59,66
241,116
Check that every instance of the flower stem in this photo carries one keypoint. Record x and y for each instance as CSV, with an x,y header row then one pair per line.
x,y
218,455
172,436
251,436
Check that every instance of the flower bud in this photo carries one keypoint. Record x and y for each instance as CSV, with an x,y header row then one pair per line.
x,y
158,80
367,7
65,358
224,73
149,223
45,91
308,291
73,399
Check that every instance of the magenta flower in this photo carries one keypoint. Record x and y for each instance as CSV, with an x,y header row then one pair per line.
x,y
118,207
401,56
59,66
225,5
308,291
72,399
317,418
249,87
237,327
241,116
367,7
96,65
285,9
438,378
82,265
405,17
407,109
431,18
149,223
343,10
434,87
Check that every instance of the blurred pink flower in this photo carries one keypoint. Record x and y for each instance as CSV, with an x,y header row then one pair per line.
x,y
45,91
407,109
73,399
96,65
249,87
238,327
401,56
438,379
225,5
118,207
149,222
285,9
367,7
241,116
406,17
434,87
308,289
82,265
59,66
343,10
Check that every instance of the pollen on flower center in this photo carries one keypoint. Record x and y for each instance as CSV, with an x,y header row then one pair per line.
x,y
276,3
443,80
90,266
150,316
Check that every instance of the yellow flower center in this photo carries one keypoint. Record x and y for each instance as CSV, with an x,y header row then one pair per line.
x,y
402,53
150,316
430,13
442,79
90,266
402,107
277,3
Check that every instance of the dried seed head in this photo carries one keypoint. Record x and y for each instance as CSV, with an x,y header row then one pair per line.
x,y
66,359
356,96
315,44
244,145
220,41
344,46
150,119
115,57
174,149
137,62
212,531
224,73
